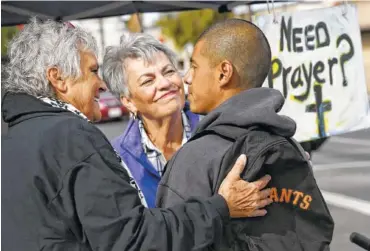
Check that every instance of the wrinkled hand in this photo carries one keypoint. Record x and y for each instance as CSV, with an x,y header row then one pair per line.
x,y
244,199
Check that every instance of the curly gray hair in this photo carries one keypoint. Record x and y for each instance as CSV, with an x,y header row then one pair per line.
x,y
41,45
132,45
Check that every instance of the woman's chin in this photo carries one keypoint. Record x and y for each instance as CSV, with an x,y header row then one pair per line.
x,y
170,108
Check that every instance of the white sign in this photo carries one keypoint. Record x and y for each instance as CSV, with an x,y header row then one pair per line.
x,y
317,64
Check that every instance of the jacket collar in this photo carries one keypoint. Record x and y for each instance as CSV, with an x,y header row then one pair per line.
x,y
17,107
63,105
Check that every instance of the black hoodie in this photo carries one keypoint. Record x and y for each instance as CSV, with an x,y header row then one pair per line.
x,y
248,123
63,188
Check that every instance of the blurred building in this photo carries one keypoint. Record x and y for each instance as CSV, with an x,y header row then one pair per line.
x,y
107,31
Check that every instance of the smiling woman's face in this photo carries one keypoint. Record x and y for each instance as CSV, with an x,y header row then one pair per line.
x,y
83,92
156,89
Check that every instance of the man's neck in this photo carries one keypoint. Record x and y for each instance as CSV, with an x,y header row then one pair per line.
x,y
227,94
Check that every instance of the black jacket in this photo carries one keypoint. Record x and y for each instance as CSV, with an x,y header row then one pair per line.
x,y
248,123
63,188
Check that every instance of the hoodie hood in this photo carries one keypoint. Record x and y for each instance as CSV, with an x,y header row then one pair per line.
x,y
17,107
254,107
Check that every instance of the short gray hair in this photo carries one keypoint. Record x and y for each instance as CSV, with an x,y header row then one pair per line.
x,y
132,45
41,45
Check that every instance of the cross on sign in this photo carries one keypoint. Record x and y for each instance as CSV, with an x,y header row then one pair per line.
x,y
320,108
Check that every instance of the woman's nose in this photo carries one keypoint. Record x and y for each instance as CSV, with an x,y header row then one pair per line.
x,y
164,83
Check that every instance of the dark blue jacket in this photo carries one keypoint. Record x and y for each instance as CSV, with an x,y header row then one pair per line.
x,y
130,148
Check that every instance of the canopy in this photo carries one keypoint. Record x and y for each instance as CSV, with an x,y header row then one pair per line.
x,y
19,12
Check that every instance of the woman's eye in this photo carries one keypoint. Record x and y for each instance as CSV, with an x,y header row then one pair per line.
x,y
95,71
146,82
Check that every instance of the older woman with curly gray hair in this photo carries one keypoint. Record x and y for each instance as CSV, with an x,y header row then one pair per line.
x,y
63,185
142,72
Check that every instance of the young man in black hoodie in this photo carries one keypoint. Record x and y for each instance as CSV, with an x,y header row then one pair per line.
x,y
229,64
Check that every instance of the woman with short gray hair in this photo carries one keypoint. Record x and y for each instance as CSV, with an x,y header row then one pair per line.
x,y
132,45
63,185
142,72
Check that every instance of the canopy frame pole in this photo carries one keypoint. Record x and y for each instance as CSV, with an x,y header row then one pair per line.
x,y
95,11
138,18
196,5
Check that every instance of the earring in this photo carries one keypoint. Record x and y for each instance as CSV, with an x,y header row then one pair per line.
x,y
134,115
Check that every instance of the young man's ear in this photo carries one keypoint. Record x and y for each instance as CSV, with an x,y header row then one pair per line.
x,y
225,73
128,104
54,75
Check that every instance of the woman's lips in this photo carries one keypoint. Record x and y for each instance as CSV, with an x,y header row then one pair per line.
x,y
168,95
